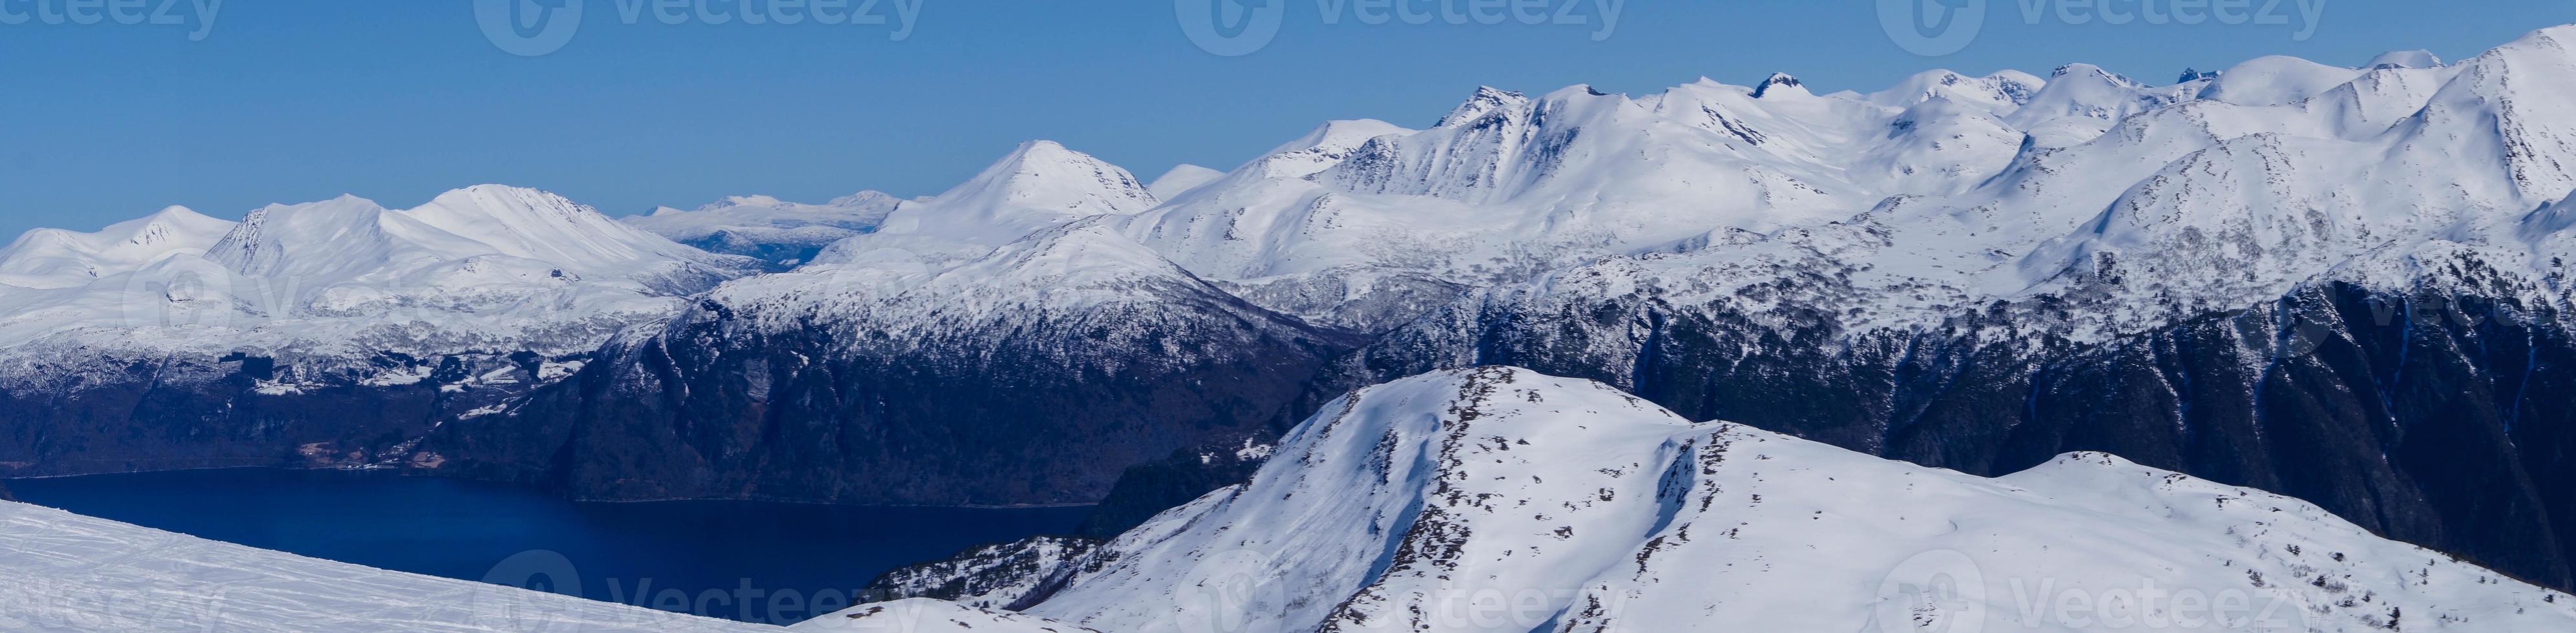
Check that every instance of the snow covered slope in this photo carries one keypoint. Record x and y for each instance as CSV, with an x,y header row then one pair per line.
x,y
994,576
1182,180
780,232
65,573
931,616
1499,499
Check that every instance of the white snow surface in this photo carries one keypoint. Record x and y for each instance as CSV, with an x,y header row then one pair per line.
x,y
1181,180
931,616
1500,499
64,573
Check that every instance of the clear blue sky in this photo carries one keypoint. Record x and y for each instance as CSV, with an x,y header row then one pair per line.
x,y
396,100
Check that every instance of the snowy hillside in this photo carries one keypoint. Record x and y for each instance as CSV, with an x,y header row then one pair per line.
x,y
65,573
1500,499
931,616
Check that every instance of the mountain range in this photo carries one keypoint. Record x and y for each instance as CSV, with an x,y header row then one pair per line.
x,y
2345,285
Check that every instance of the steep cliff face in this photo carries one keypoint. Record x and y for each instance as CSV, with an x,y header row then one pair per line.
x,y
110,414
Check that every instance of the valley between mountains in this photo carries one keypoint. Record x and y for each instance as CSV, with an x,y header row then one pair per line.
x,y
2277,326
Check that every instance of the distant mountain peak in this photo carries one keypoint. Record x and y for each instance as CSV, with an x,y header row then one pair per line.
x,y
1046,175
1486,100
2097,72
1779,83
2418,58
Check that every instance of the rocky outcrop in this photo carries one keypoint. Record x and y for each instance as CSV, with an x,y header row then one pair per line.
x,y
997,576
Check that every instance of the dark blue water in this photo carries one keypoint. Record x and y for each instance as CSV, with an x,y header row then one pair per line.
x,y
755,562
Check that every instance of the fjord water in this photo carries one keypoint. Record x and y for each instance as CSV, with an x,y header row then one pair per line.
x,y
751,561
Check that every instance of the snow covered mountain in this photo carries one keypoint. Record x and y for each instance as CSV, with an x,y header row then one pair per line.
x,y
55,258
1500,499
366,322
870,374
65,573
783,233
2340,284
2344,284
349,278
1365,225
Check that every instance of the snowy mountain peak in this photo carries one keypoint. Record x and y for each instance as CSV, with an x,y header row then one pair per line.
x,y
1047,176
1487,100
742,201
539,225
1995,94
2096,72
864,198
173,227
2193,74
269,237
1327,145
2418,58
1780,84
55,258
